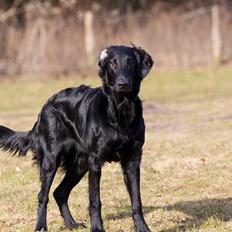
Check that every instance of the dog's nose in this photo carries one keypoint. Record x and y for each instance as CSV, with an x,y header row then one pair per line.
x,y
122,85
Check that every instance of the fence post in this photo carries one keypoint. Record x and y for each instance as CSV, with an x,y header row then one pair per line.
x,y
89,38
216,35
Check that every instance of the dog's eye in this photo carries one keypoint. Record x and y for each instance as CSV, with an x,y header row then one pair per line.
x,y
130,62
113,64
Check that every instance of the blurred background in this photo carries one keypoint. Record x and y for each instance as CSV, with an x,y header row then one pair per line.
x,y
66,36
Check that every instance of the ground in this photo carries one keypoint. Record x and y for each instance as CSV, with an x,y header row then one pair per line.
x,y
187,160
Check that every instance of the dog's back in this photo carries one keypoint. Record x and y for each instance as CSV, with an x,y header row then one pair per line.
x,y
55,124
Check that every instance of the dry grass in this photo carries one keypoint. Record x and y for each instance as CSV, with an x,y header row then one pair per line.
x,y
186,168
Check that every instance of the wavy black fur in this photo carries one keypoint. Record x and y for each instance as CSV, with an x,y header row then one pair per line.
x,y
81,128
14,142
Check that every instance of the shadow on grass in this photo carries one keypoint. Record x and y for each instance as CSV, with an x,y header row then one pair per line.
x,y
127,212
198,211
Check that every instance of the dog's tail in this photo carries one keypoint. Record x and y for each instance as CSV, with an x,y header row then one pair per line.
x,y
15,142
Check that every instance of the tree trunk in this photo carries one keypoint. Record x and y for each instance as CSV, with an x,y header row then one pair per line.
x,y
216,35
89,38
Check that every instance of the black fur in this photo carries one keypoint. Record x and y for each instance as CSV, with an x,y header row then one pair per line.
x,y
81,128
14,142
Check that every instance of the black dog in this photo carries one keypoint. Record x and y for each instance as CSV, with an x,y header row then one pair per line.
x,y
81,128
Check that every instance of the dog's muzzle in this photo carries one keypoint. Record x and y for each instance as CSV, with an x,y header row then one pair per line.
x,y
123,85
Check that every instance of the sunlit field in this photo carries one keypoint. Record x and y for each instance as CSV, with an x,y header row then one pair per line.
x,y
186,171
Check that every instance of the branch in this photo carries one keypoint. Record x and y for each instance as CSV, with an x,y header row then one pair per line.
x,y
11,11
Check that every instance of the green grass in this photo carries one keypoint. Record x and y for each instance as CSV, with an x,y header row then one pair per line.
x,y
187,162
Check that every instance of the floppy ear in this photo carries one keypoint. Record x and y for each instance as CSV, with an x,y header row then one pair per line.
x,y
144,61
102,63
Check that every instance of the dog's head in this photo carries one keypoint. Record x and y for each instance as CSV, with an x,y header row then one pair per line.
x,y
123,68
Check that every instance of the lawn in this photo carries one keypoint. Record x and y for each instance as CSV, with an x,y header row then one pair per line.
x,y
187,160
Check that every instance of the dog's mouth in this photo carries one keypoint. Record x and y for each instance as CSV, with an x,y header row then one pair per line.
x,y
123,89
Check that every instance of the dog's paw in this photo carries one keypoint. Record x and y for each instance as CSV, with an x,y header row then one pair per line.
x,y
97,230
142,228
76,225
41,229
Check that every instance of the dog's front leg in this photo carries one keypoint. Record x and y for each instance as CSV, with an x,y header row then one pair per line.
x,y
131,171
94,196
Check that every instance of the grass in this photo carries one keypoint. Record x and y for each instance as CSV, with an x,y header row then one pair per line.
x,y
187,162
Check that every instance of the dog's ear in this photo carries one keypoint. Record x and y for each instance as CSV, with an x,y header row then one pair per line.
x,y
102,63
144,61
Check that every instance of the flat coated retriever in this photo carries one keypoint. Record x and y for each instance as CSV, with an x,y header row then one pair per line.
x,y
81,128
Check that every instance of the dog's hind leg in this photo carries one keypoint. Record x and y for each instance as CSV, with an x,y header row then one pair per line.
x,y
61,194
48,170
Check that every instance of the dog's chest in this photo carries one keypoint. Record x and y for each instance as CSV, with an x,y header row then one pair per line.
x,y
118,148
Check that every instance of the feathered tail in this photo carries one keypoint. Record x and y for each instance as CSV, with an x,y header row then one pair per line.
x,y
15,142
